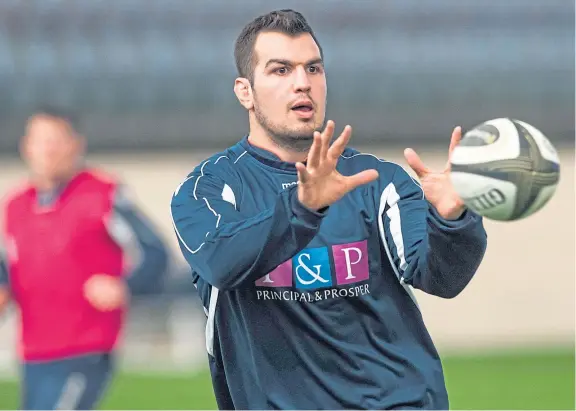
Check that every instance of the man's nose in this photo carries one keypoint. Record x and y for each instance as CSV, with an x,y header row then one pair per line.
x,y
301,80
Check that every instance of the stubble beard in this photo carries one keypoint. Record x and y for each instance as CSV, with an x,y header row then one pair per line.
x,y
298,141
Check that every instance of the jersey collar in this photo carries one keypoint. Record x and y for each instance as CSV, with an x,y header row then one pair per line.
x,y
266,157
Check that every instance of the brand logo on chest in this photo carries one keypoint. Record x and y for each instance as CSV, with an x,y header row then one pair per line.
x,y
311,269
288,185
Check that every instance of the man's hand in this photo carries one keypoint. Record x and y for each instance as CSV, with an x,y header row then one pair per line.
x,y
319,184
106,293
437,186
4,298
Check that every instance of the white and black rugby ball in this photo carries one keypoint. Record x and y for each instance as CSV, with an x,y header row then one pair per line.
x,y
505,169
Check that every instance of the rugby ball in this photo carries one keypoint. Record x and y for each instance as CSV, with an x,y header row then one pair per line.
x,y
505,169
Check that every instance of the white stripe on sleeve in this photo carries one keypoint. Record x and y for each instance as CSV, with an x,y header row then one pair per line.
x,y
390,198
227,195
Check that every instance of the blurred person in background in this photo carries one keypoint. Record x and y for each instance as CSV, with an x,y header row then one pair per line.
x,y
303,249
75,248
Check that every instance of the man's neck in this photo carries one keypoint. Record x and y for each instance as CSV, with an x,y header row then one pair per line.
x,y
45,184
265,142
48,185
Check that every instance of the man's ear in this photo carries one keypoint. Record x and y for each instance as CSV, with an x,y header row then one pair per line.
x,y
80,145
23,147
243,91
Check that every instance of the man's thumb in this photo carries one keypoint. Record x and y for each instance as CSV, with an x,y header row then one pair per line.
x,y
415,162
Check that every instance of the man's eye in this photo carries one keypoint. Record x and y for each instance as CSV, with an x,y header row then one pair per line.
x,y
282,70
313,69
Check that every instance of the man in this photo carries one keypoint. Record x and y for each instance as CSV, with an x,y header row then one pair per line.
x,y
75,249
303,251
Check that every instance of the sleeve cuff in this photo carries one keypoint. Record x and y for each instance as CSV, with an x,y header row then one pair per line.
x,y
468,217
303,213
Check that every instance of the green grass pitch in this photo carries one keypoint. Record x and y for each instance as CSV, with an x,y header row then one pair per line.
x,y
538,380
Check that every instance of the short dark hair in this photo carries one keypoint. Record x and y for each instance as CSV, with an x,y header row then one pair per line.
x,y
284,21
60,113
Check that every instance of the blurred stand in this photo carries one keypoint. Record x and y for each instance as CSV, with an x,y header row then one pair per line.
x,y
159,73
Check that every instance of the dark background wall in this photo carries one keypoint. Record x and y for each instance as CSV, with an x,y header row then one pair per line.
x,y
158,74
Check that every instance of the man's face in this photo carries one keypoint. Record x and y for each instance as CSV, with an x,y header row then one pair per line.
x,y
289,88
50,147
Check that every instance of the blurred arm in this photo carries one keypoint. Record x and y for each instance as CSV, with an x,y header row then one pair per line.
x,y
432,254
4,286
4,298
146,251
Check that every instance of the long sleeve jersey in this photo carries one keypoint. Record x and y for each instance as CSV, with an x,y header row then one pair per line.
x,y
314,310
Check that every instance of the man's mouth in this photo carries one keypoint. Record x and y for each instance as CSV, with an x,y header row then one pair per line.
x,y
303,107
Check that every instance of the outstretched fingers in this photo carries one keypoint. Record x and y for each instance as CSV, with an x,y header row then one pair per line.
x,y
361,178
313,159
454,140
327,138
302,172
414,161
319,148
340,144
